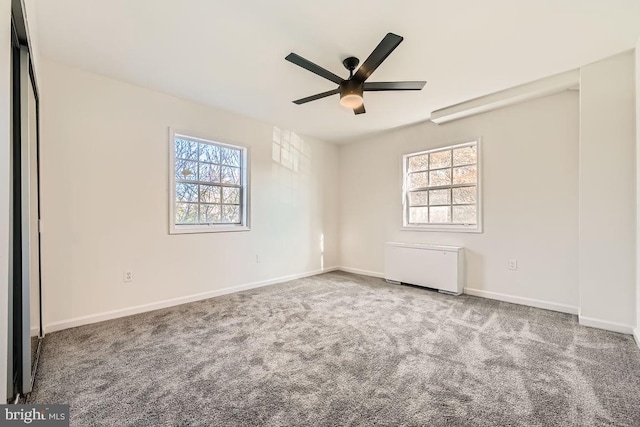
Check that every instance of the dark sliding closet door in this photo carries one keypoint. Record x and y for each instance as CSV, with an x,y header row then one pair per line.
x,y
25,329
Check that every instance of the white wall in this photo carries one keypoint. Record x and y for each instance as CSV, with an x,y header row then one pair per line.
x,y
29,10
105,200
5,114
607,192
530,203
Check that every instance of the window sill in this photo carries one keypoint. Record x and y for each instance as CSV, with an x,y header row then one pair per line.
x,y
193,229
444,228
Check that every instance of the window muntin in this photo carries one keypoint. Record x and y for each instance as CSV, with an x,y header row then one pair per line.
x,y
209,183
441,188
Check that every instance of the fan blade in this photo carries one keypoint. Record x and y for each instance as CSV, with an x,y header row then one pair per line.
x,y
359,110
379,54
316,69
377,86
317,96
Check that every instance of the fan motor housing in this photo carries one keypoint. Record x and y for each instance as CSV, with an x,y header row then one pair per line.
x,y
351,87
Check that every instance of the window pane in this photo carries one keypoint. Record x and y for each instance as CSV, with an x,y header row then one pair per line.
x,y
231,214
464,156
440,177
209,194
186,213
209,173
418,215
440,214
231,195
186,170
419,163
209,153
209,179
418,180
440,197
464,195
440,159
186,192
210,213
186,149
465,175
230,156
464,214
442,186
230,175
418,198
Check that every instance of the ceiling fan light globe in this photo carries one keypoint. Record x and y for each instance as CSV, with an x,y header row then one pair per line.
x,y
351,100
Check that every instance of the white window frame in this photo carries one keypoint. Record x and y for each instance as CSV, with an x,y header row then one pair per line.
x,y
462,228
245,193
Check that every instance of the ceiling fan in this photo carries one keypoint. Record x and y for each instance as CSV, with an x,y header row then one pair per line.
x,y
351,89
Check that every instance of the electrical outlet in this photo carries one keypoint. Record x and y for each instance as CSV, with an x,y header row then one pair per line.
x,y
513,264
258,259
127,276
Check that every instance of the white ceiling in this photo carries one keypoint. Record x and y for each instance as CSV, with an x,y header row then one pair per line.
x,y
230,54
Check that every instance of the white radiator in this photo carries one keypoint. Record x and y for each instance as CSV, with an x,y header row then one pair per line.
x,y
431,266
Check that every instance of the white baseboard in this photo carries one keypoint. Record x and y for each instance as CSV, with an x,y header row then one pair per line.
x,y
123,312
547,305
607,325
362,272
114,314
636,335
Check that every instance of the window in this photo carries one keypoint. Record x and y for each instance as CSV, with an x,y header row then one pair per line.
x,y
442,189
209,186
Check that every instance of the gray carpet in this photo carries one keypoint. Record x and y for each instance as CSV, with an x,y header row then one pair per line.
x,y
341,349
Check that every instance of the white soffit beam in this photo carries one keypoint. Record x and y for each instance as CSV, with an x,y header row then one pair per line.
x,y
536,89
